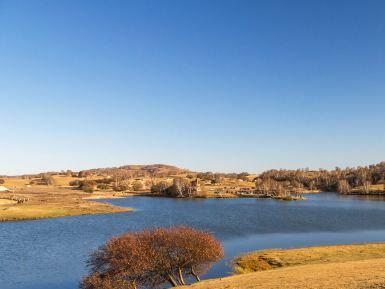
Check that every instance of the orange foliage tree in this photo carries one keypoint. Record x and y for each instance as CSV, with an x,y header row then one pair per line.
x,y
152,258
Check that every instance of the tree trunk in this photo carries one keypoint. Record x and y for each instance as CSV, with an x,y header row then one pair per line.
x,y
172,281
195,275
181,277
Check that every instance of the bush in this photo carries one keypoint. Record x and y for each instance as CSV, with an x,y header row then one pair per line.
x,y
243,176
104,181
2,181
75,183
152,258
47,180
137,186
88,189
102,186
87,186
120,188
159,188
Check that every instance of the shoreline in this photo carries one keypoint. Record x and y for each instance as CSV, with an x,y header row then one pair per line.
x,y
75,203
271,259
46,203
355,266
9,220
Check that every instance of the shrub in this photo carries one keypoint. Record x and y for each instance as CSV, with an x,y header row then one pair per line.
x,y
102,186
120,188
159,188
104,181
243,176
87,186
47,180
75,183
88,189
2,181
151,258
137,186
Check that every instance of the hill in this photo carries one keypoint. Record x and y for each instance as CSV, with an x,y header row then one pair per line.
x,y
155,170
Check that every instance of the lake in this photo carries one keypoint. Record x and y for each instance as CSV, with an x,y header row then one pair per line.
x,y
51,253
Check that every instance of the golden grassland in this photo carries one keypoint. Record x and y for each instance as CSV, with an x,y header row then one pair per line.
x,y
364,274
346,266
273,259
373,190
52,201
59,199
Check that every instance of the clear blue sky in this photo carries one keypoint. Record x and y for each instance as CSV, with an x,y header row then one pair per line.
x,y
206,85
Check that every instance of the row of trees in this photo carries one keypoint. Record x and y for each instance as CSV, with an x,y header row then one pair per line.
x,y
180,188
89,185
152,258
273,188
216,178
44,179
341,180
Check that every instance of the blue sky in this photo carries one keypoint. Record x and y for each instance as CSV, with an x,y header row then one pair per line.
x,y
206,85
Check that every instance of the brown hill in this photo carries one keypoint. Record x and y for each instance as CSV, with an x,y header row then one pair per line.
x,y
155,170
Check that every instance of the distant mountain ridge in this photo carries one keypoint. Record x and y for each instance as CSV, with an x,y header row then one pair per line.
x,y
154,170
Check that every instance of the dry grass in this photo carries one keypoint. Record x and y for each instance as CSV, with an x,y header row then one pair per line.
x,y
15,182
338,267
7,202
40,211
272,259
364,274
60,199
51,201
20,183
373,189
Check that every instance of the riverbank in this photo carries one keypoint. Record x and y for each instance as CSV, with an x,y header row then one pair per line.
x,y
346,266
365,274
273,259
53,202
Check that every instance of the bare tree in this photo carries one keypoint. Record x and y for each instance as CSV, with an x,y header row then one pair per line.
x,y
343,187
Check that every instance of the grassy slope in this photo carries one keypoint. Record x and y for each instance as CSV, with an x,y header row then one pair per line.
x,y
50,201
271,259
364,274
42,211
347,266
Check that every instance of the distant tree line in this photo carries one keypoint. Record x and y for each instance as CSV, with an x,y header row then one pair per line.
x,y
180,188
340,180
90,185
216,178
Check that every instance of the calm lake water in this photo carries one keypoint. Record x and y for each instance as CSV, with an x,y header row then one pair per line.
x,y
51,253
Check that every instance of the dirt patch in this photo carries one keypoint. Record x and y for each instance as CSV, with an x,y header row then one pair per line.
x,y
7,202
